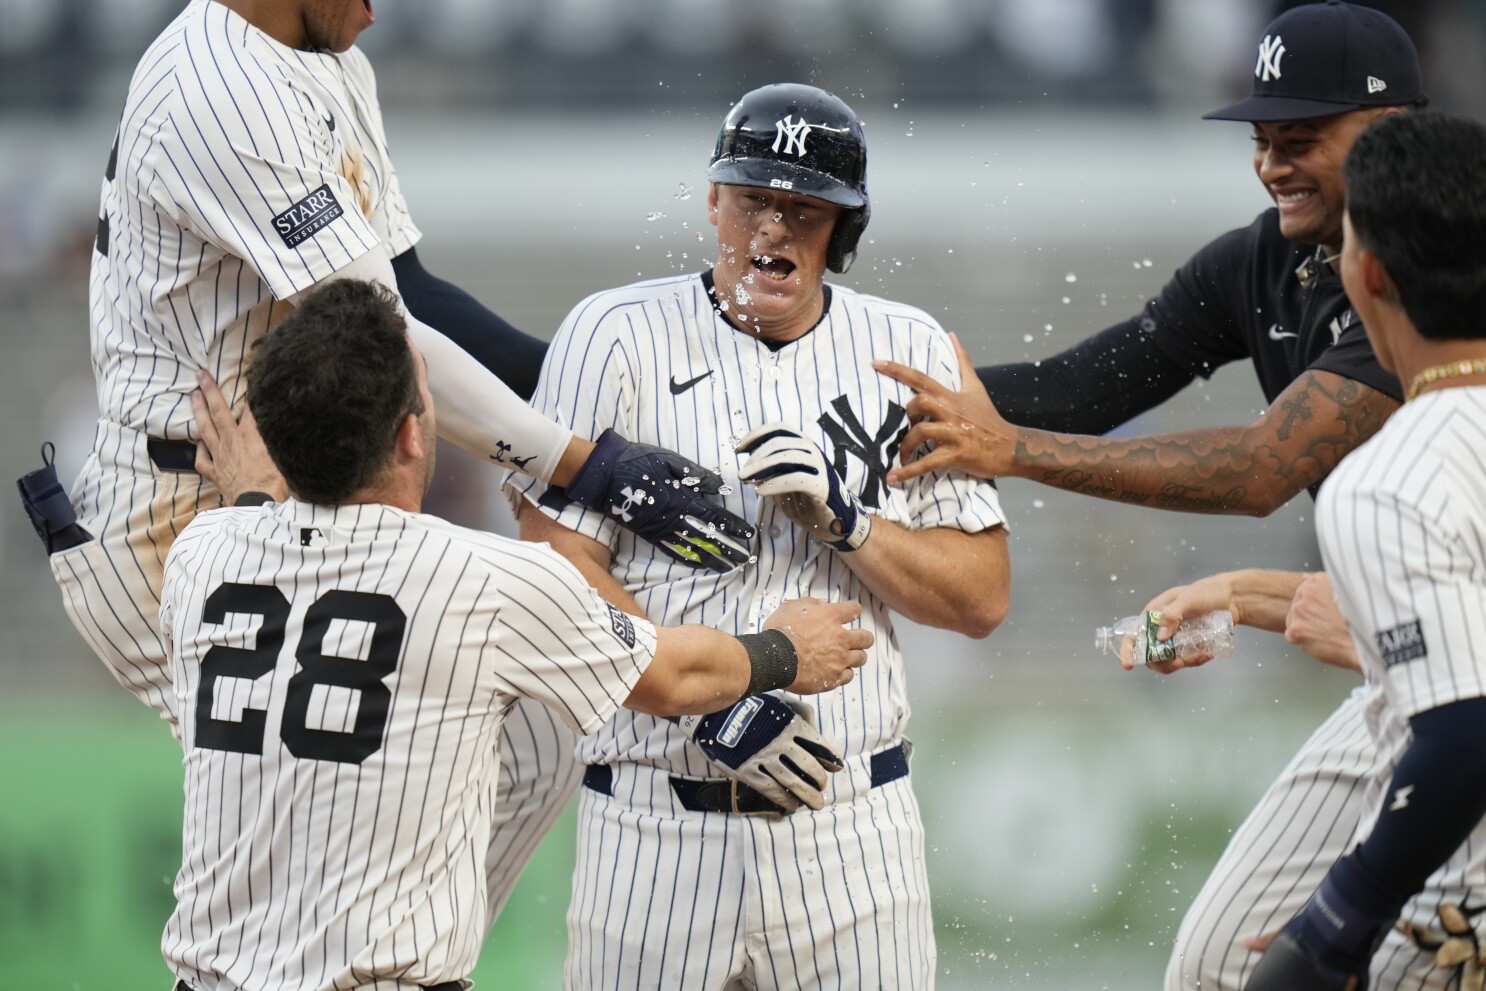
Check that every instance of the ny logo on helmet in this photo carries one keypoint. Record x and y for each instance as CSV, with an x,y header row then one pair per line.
x,y
793,134
1270,51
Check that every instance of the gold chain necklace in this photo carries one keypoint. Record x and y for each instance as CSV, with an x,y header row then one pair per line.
x,y
1449,370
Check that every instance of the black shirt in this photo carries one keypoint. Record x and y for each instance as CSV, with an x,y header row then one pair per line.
x,y
1238,297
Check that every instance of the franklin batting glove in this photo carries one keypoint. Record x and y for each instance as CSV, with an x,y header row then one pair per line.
x,y
771,745
786,466
661,496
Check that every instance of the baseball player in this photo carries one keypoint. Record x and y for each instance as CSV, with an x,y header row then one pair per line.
x,y
251,165
342,665
1402,528
775,844
1268,293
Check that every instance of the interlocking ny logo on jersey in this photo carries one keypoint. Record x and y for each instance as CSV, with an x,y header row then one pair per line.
x,y
308,217
1270,51
793,134
875,451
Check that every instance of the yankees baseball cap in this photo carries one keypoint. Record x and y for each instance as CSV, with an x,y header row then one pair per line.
x,y
1327,58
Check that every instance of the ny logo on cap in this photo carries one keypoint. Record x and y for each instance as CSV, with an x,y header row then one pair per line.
x,y
793,133
1270,51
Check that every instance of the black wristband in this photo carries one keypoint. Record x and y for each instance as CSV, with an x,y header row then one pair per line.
x,y
772,657
253,499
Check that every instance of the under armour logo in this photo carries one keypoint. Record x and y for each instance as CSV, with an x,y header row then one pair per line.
x,y
501,450
1375,85
631,497
1401,798
1270,50
875,451
523,462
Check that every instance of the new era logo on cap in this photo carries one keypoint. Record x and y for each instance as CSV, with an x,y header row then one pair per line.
x,y
1375,85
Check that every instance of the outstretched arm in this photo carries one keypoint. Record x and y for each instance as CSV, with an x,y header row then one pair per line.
x,y
1251,470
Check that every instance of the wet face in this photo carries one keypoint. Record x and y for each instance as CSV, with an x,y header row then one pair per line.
x,y
771,260
1300,164
333,25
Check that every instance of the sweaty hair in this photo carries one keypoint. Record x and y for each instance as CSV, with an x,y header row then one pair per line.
x,y
330,386
1416,196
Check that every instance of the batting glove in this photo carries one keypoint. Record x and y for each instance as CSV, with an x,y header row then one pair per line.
x,y
660,496
771,745
1328,946
786,466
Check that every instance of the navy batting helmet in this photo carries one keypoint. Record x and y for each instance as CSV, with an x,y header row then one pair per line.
x,y
804,140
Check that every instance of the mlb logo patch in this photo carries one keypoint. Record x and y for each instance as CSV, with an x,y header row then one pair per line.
x,y
1402,643
308,217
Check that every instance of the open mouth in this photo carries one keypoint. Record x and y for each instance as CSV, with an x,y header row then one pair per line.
x,y
1293,198
773,269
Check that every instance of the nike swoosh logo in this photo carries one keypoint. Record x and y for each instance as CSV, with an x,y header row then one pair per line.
x,y
677,388
1276,334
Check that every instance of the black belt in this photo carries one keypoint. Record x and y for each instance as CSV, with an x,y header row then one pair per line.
x,y
172,455
726,795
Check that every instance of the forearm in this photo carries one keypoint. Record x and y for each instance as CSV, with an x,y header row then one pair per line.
x,y
1261,599
1092,387
515,358
1250,470
696,670
481,415
939,577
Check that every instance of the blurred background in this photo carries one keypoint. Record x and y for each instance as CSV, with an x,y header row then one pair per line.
x,y
1038,168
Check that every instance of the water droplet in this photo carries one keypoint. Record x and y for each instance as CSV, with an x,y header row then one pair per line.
x,y
1070,277
1038,504
1027,338
654,215
683,191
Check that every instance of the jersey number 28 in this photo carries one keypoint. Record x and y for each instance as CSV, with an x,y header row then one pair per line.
x,y
380,612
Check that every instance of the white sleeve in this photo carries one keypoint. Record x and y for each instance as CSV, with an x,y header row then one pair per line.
x,y
476,411
557,641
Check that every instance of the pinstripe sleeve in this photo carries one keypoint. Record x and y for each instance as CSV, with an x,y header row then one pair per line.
x,y
560,643
258,181
951,498
588,385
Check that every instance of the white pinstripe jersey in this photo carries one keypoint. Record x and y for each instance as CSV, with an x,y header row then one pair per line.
x,y
243,171
1402,527
656,362
342,675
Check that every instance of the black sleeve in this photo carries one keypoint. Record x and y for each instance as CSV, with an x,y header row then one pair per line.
x,y
513,357
1092,387
1437,797
1352,357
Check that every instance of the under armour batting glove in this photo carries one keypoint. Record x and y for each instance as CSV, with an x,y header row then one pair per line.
x,y
786,466
661,496
1328,946
771,745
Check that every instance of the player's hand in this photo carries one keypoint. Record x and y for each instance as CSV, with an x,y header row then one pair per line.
x,y
771,745
1315,624
1329,945
965,428
827,650
1186,602
661,496
231,454
787,467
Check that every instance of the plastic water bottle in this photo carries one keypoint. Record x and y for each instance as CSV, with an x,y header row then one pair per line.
x,y
1134,637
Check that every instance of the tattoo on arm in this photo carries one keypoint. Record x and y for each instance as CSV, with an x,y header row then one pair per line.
x,y
1310,427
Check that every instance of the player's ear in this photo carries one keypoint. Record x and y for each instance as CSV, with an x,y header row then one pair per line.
x,y
410,441
1375,278
712,203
